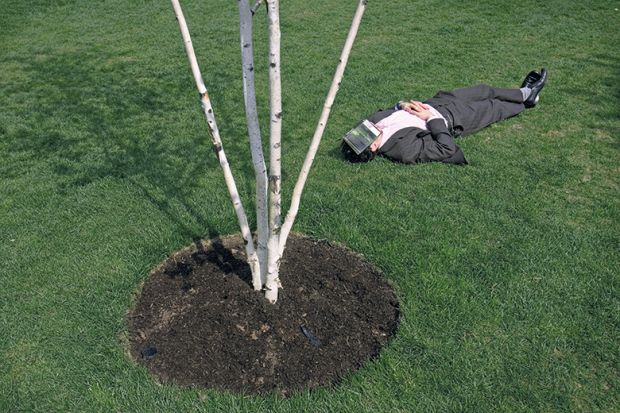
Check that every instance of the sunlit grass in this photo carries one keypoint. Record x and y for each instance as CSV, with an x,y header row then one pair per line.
x,y
507,269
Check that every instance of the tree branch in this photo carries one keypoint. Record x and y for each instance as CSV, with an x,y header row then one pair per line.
x,y
217,143
275,144
318,134
258,158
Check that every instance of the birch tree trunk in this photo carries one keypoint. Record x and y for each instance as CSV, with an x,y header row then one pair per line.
x,y
272,235
256,148
217,144
275,102
318,134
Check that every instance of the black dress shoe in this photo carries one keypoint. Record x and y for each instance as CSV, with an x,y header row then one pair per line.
x,y
536,87
530,79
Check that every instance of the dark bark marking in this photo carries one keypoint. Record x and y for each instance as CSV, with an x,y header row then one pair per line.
x,y
274,181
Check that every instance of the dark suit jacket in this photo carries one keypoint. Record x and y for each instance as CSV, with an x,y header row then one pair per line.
x,y
414,145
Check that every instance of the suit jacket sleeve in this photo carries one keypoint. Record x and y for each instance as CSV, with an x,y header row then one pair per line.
x,y
440,145
413,145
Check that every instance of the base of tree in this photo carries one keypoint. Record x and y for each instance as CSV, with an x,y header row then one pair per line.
x,y
197,321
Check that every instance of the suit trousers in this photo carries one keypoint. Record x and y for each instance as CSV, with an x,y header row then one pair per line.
x,y
474,108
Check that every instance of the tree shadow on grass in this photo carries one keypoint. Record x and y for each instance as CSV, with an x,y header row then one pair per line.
x,y
100,115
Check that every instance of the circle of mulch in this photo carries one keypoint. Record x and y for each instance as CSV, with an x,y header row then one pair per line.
x,y
198,322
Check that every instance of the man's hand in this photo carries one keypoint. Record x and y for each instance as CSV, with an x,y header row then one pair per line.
x,y
418,109
374,147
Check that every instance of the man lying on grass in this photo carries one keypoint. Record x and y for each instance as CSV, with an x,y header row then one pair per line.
x,y
413,131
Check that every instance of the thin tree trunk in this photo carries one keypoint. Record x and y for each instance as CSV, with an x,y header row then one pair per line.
x,y
217,144
318,134
258,159
275,101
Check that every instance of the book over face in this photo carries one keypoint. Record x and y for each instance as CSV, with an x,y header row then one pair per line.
x,y
362,136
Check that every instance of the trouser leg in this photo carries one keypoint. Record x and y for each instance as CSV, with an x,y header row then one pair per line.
x,y
479,92
474,108
475,115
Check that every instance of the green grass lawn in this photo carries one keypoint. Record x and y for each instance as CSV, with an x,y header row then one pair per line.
x,y
507,269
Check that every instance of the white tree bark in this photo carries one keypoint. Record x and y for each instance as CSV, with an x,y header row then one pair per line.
x,y
217,144
318,134
258,159
275,143
272,235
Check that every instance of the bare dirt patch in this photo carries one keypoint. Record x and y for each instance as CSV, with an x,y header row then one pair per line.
x,y
198,322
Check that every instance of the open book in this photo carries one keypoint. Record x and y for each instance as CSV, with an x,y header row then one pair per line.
x,y
361,136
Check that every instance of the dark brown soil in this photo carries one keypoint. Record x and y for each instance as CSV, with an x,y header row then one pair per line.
x,y
197,320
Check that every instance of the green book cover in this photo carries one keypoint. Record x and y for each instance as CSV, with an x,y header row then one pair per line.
x,y
362,136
